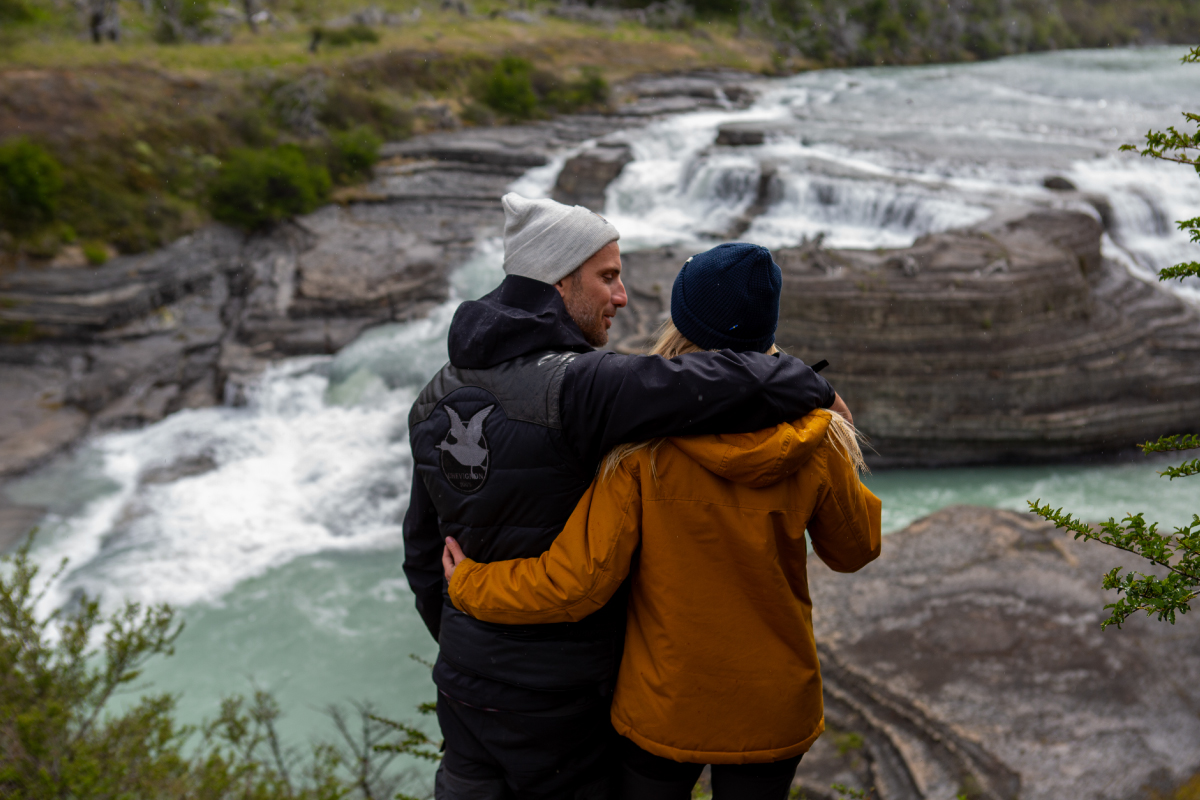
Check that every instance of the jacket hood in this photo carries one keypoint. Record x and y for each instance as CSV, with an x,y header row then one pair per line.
x,y
760,458
519,317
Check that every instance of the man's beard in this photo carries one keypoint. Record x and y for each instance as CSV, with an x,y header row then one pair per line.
x,y
590,320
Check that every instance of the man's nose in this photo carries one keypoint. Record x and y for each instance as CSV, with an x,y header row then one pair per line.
x,y
619,298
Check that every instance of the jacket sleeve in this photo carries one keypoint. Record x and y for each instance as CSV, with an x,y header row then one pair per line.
x,y
846,526
578,574
609,399
423,555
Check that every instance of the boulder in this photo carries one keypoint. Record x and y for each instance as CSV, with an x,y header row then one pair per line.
x,y
1011,341
585,177
969,659
1058,183
731,136
37,420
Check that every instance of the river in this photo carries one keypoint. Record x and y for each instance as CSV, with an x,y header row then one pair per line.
x,y
275,526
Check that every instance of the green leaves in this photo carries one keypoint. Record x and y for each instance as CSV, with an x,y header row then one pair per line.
x,y
1181,148
1177,552
409,740
1184,470
508,89
30,184
1170,444
258,187
354,153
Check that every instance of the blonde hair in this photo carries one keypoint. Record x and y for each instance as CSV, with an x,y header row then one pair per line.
x,y
670,343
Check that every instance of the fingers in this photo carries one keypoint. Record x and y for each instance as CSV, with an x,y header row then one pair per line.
x,y
839,407
452,556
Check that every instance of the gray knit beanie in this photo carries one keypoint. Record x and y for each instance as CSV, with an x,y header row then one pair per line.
x,y
547,241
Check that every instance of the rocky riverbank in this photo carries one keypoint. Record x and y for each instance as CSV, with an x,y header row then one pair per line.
x,y
969,660
1012,340
86,350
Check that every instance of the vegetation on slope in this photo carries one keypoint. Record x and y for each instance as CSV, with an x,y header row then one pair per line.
x,y
144,115
59,738
151,135
863,32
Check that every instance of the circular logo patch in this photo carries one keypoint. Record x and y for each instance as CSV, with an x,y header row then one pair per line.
x,y
465,453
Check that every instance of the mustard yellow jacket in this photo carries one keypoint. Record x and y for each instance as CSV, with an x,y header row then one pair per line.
x,y
720,665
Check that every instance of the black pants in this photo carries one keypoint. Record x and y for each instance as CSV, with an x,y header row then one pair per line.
x,y
649,777
502,755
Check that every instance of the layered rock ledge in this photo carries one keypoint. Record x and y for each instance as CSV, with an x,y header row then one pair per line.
x,y
1015,340
84,350
969,660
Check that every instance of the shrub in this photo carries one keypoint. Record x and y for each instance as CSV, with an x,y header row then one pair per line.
x,y
589,91
30,184
257,187
104,199
477,114
95,253
62,740
354,153
347,106
15,11
344,37
509,88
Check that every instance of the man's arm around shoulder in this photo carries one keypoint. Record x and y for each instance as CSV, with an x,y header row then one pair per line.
x,y
609,399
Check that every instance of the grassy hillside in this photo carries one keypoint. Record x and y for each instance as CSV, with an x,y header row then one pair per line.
x,y
141,131
124,129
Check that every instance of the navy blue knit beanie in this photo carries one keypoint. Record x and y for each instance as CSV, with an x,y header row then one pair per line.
x,y
728,298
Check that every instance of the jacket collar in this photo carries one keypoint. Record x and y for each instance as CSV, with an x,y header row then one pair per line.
x,y
519,317
760,458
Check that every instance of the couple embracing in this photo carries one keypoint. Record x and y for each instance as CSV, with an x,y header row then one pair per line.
x,y
610,549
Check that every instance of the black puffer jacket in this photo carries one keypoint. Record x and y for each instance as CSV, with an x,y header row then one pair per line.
x,y
508,436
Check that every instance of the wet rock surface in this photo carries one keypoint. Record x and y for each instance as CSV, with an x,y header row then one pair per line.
x,y
585,177
969,659
1014,340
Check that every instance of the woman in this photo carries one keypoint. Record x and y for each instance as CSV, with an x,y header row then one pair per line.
x,y
720,666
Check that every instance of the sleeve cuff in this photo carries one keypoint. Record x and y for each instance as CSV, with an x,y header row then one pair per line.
x,y
456,580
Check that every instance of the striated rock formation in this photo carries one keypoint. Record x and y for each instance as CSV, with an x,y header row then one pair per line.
x,y
1014,340
969,659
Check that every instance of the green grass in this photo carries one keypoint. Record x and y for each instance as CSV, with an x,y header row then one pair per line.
x,y
141,129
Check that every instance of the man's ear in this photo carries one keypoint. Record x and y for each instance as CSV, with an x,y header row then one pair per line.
x,y
562,287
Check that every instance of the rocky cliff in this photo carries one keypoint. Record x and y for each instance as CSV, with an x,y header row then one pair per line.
x,y
1011,341
969,659
84,350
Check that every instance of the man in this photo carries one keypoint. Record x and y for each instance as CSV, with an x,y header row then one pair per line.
x,y
505,440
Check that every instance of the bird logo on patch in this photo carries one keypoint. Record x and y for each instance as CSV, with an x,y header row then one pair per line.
x,y
465,451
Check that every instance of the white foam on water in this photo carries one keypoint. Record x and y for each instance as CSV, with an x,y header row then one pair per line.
x,y
317,461
288,475
878,158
